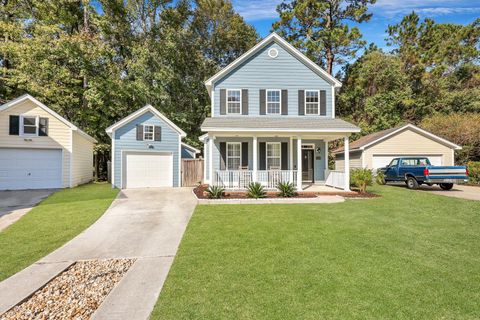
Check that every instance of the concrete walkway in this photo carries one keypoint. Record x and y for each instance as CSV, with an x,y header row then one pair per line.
x,y
458,191
146,224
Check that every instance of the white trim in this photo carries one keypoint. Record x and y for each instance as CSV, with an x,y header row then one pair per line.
x,y
453,157
299,163
24,97
362,157
266,154
226,155
205,178
202,137
325,155
305,102
275,37
124,153
346,160
226,101
112,164
308,146
290,160
153,132
279,103
190,147
333,102
71,160
210,158
213,129
21,123
140,112
179,184
414,128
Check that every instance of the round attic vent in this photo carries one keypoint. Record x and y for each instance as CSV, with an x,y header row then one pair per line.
x,y
273,53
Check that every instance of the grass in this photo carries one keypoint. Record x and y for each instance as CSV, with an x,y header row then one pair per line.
x,y
50,224
406,255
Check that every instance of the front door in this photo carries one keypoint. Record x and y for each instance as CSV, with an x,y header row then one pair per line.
x,y
307,165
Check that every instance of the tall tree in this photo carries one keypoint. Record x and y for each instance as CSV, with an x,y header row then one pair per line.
x,y
320,28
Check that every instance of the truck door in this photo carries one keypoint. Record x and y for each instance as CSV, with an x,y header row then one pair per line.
x,y
391,173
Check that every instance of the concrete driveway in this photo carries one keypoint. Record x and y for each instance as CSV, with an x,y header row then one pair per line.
x,y
146,224
458,191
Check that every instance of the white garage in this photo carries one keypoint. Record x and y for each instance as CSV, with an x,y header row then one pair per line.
x,y
148,170
377,150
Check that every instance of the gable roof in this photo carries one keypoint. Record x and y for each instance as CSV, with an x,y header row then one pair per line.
x,y
368,140
24,97
139,112
187,146
283,43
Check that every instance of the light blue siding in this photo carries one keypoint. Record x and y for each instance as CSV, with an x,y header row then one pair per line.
x,y
187,153
126,139
262,72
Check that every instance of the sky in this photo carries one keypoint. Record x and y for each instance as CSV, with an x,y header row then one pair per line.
x,y
262,13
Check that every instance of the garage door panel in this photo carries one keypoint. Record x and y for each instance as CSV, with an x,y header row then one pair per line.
x,y
380,161
148,170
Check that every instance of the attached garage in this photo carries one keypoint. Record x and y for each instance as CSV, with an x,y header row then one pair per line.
x,y
378,149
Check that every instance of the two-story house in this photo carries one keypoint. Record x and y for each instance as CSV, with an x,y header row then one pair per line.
x,y
272,116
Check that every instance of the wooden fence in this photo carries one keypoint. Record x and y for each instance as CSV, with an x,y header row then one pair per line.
x,y
192,172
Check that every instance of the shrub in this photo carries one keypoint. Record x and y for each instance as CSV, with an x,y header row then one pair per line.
x,y
380,177
286,189
361,178
215,192
474,171
256,190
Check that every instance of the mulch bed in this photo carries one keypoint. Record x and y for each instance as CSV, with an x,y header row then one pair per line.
x,y
201,194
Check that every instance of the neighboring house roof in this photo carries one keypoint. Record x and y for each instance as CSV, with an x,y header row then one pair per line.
x,y
368,140
24,97
187,146
139,112
278,124
287,46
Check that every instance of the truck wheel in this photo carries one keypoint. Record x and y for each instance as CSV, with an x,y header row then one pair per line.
x,y
412,183
446,186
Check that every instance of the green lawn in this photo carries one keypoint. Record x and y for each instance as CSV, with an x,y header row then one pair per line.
x,y
50,224
407,255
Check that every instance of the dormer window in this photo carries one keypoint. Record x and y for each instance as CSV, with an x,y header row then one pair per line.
x,y
29,125
234,101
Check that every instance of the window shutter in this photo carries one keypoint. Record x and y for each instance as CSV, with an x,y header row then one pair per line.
x,y
244,101
157,133
223,155
244,154
14,125
323,102
43,127
262,149
139,132
284,102
263,109
301,102
284,156
223,101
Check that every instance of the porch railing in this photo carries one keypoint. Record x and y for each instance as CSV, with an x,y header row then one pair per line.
x,y
240,179
335,178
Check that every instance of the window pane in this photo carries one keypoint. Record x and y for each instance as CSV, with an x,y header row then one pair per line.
x,y
233,96
30,129
29,121
233,101
311,102
233,163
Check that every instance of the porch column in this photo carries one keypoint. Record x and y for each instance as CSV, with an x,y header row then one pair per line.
x,y
210,158
290,160
347,164
299,163
326,160
255,159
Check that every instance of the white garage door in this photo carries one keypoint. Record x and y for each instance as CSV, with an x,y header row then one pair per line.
x,y
30,169
148,170
383,161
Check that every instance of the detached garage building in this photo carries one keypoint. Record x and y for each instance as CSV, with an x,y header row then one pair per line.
x,y
39,149
146,150
376,150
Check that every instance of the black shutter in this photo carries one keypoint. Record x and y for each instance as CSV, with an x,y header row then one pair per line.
x,y
244,154
223,101
14,125
284,102
244,101
139,132
43,127
301,102
157,133
263,109
262,149
284,156
223,155
323,102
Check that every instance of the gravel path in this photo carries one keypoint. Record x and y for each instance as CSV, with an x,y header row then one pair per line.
x,y
74,294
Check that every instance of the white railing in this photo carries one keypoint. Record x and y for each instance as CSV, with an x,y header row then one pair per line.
x,y
240,179
335,178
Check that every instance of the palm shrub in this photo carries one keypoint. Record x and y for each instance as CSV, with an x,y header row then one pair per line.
x,y
286,189
474,171
361,178
256,190
215,192
380,177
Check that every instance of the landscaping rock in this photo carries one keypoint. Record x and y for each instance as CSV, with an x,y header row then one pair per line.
x,y
74,294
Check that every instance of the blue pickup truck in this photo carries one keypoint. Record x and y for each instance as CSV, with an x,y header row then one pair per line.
x,y
415,171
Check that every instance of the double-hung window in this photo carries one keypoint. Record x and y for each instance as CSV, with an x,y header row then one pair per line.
x,y
29,125
273,101
148,132
274,156
234,101
312,102
234,155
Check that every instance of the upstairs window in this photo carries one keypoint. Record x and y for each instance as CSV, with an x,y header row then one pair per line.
x,y
273,101
234,155
312,102
148,133
29,125
234,101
